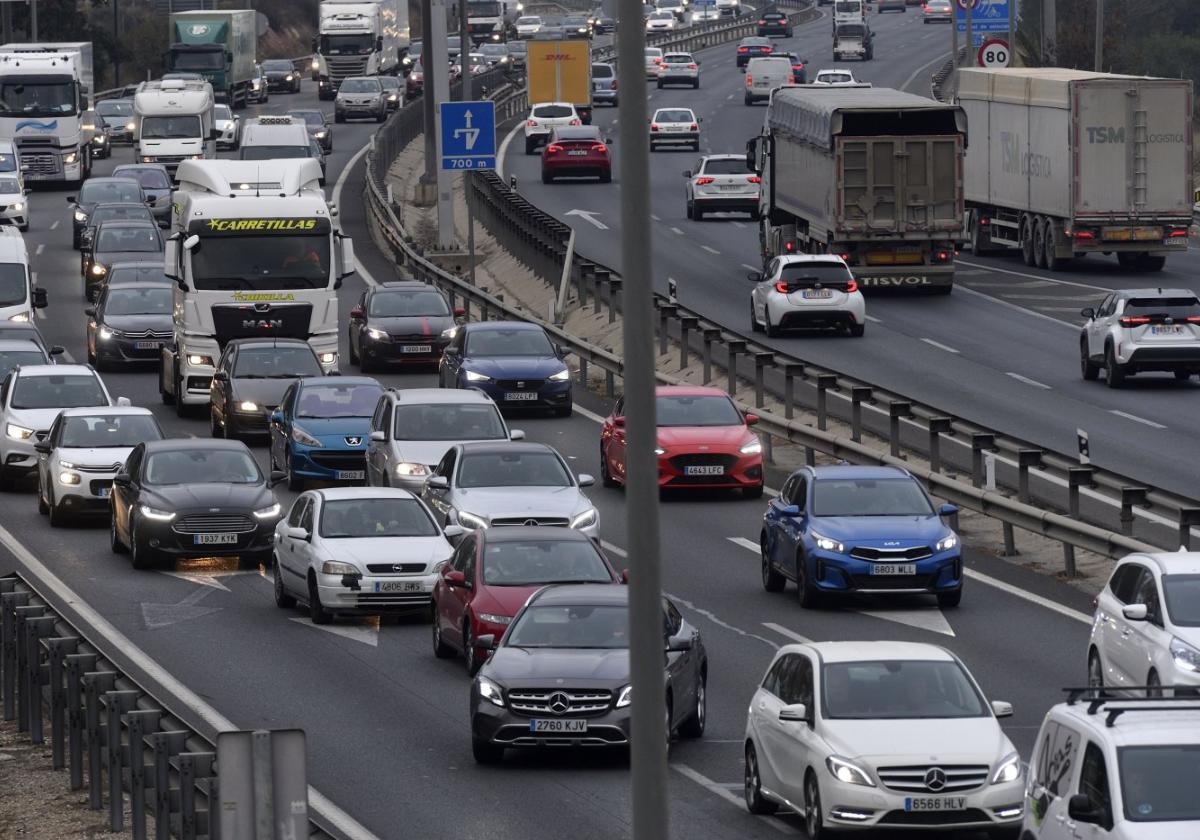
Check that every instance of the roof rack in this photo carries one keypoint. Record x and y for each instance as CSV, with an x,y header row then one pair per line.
x,y
1100,699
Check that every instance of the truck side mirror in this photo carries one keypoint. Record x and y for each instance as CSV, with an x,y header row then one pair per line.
x,y
752,154
379,44
171,260
348,263
214,134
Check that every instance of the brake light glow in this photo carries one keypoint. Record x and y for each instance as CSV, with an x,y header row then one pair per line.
x,y
553,149
1193,319
754,179
691,66
845,256
531,123
1134,320
781,287
1178,232
600,147
749,80
574,122
852,286
789,247
1081,234
762,23
768,50
743,49
654,126
942,256
700,182
693,127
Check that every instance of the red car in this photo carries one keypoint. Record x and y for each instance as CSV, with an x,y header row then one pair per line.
x,y
704,441
492,573
574,151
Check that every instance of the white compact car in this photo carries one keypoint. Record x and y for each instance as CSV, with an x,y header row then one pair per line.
x,y
358,551
230,126
1136,330
721,183
675,127
83,452
1115,769
880,734
806,291
1146,630
661,21
485,485
528,26
834,78
679,69
14,200
544,118
654,57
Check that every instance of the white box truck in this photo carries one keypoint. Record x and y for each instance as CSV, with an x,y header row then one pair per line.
x,y
173,122
1063,163
358,39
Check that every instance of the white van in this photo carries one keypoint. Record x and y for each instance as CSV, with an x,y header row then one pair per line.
x,y
272,138
173,122
763,75
18,297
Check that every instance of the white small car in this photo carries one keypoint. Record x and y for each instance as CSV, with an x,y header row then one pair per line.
x,y
880,734
834,78
14,200
721,183
543,118
679,68
528,26
675,127
230,126
359,551
654,57
661,21
675,7
1141,330
806,291
84,451
1146,630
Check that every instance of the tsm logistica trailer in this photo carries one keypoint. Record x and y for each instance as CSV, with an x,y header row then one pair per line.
x,y
1064,163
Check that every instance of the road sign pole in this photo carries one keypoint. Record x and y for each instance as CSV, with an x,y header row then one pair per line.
x,y
1012,29
648,751
970,52
954,42
440,90
429,179
1099,36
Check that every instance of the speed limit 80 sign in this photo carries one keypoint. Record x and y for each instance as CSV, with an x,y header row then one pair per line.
x,y
993,53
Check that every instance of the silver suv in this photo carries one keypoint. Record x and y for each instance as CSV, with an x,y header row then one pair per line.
x,y
360,96
1139,330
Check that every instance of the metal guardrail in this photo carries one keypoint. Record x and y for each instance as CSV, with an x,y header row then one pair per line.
x,y
937,86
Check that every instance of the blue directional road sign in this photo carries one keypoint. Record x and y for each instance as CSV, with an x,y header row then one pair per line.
x,y
468,135
986,15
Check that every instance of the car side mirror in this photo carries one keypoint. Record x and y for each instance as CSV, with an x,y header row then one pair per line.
x,y
437,482
586,480
90,312
947,510
1001,708
57,350
459,312
624,576
1088,312
277,415
42,447
687,173
70,199
378,436
453,577
277,477
40,301
751,419
299,534
560,351
122,479
453,532
791,510
357,314
679,644
1079,808
754,276
516,434
220,376
1135,612
794,713
486,642
214,134
619,420
124,402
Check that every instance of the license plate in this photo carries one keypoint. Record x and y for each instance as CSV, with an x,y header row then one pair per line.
x,y
214,539
816,294
103,492
1167,329
148,345
935,803
416,348
399,586
729,187
579,153
520,396
894,569
707,470
351,475
542,725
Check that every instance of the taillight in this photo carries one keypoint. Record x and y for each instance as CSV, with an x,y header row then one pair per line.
x,y
1134,320
531,124
754,179
762,23
553,149
845,255
574,122
693,127
658,61
1080,234
789,247
941,256
749,80
654,126
691,66
1178,232
743,49
600,147
1193,319
781,287
614,84
700,182
768,50
852,286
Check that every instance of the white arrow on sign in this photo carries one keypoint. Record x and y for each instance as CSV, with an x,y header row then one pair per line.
x,y
471,134
588,215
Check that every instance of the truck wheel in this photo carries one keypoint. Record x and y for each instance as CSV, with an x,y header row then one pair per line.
x,y
1040,229
1050,260
1026,237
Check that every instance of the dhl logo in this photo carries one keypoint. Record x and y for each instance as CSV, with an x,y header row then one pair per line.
x,y
558,57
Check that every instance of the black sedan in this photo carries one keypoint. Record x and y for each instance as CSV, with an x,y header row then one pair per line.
x,y
400,323
117,117
118,241
560,675
281,75
100,191
184,497
392,91
125,273
103,213
317,124
156,184
752,47
774,23
129,323
251,379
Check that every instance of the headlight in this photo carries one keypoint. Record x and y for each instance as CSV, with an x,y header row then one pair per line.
x,y
303,437
129,126
563,375
470,520
254,84
472,376
99,270
154,513
20,317
316,63
1185,656
320,134
826,544
378,335
1009,769
80,216
327,358
847,771
625,697
268,512
333,567
492,618
947,543
488,690
105,333
147,158
658,450
391,97
449,333
16,205
18,432
70,157
289,77
754,447
248,405
411,469
196,360
407,62
100,138
585,520
68,478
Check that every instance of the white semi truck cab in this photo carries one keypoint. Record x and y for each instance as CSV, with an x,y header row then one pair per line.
x,y
173,122
43,94
254,251
357,39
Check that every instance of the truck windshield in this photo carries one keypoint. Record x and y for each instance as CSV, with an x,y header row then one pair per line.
x,y
362,44
197,60
485,9
168,128
848,7
14,288
38,97
261,263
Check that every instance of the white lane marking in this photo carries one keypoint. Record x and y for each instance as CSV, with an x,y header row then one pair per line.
x,y
711,250
739,224
38,250
939,345
926,618
1010,305
1029,276
615,549
588,216
1137,419
676,231
111,636
1053,606
66,354
1028,381
723,792
873,319
751,267
591,415
54,225
364,633
503,150
655,218
749,545
336,197
730,96
922,68
791,634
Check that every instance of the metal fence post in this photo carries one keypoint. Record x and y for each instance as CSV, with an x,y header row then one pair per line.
x,y
733,348
938,426
95,683
36,629
687,323
1188,517
980,442
666,311
614,294
23,616
710,334
140,723
1130,496
1076,477
1026,460
790,371
858,393
77,665
192,768
825,381
166,745
761,361
896,411
58,649
116,703
9,602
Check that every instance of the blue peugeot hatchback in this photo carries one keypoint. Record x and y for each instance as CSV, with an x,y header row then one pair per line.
x,y
516,364
319,431
859,529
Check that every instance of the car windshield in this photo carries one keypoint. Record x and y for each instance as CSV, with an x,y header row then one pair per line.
x,y
834,78
10,186
845,6
851,30
124,274
602,71
553,111
127,239
309,117
164,128
115,108
8,163
276,65
605,627
124,212
110,192
58,391
338,400
274,362
1158,782
349,44
502,342
360,86
869,497
540,562
262,261
388,517
899,690
152,179
201,466
809,274
674,115
39,96
449,421
683,410
653,52
222,112
126,301
1182,594
662,16
512,469
98,431
274,152
726,166
9,359
756,42
517,47
397,304
14,285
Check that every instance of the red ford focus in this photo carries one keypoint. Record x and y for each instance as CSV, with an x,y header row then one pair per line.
x,y
575,151
704,441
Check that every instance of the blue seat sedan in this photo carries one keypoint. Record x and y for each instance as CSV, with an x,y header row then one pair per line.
x,y
319,431
516,364
859,529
